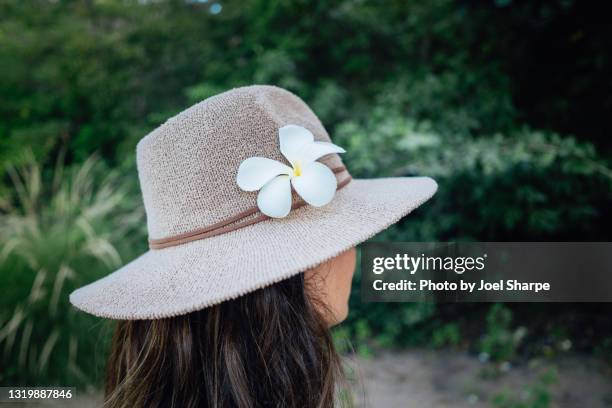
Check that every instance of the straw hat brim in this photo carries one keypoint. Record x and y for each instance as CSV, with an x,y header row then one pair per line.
x,y
181,279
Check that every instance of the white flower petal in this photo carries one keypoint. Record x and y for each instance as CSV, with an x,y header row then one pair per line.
x,y
292,138
254,172
317,184
274,199
313,151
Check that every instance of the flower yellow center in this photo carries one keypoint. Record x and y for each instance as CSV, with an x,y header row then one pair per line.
x,y
297,169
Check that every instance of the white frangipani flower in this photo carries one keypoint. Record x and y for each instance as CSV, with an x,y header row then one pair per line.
x,y
313,181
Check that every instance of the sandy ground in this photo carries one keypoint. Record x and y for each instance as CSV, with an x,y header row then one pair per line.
x,y
440,379
421,378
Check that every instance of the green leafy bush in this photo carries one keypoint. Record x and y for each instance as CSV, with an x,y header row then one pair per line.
x,y
537,395
529,185
500,342
55,235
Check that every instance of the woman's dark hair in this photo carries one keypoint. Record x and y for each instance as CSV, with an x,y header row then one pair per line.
x,y
269,348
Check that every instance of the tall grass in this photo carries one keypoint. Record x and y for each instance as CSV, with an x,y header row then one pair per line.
x,y
58,230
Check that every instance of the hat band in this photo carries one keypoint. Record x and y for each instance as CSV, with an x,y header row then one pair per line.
x,y
240,220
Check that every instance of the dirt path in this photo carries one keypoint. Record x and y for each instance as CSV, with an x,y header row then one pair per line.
x,y
421,378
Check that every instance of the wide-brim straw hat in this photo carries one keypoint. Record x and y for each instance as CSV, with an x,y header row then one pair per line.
x,y
210,240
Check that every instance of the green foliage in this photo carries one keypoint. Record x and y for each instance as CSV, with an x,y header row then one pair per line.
x,y
97,75
500,342
448,334
56,234
529,185
536,395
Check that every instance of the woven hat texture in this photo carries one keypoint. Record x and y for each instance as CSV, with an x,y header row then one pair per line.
x,y
187,171
187,167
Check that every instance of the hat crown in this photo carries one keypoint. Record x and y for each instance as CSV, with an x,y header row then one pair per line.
x,y
187,167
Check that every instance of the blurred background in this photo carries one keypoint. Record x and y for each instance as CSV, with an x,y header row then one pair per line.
x,y
506,104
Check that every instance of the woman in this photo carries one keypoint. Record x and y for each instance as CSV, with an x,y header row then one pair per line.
x,y
243,192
